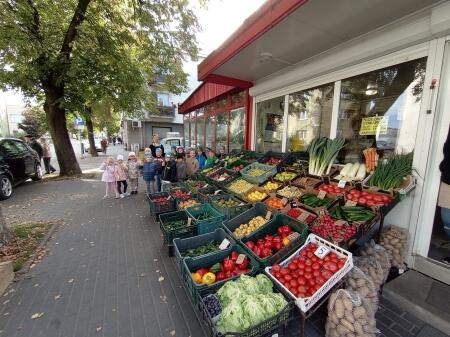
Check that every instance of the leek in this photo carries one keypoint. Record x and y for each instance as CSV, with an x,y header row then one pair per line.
x,y
322,154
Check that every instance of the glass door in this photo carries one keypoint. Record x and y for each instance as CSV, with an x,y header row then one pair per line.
x,y
270,125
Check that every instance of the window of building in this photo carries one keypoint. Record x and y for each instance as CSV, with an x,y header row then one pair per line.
x,y
237,129
200,131
309,116
269,125
16,118
210,140
163,99
381,109
187,130
222,131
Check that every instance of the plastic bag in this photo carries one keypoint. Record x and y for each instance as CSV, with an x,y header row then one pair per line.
x,y
359,282
395,241
349,315
370,266
380,254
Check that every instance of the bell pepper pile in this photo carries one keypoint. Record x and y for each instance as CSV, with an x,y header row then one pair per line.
x,y
160,200
180,194
297,212
222,270
270,244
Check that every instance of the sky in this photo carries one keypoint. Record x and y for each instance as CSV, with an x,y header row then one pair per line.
x,y
219,20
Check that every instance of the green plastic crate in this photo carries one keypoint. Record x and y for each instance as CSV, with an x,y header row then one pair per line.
x,y
236,163
170,234
191,265
229,212
271,229
156,208
204,194
207,225
270,171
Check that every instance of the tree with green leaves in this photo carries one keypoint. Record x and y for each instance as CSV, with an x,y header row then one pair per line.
x,y
76,53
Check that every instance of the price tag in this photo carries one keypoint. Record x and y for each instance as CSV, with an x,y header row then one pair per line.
x,y
342,183
189,193
350,203
294,204
340,223
302,217
374,188
189,221
268,215
224,244
284,201
206,185
321,252
321,194
294,235
169,197
221,179
240,258
217,192
322,211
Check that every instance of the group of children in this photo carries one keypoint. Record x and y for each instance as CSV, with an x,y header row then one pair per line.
x,y
154,169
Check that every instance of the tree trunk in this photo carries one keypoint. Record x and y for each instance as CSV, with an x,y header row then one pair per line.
x,y
90,131
56,118
5,233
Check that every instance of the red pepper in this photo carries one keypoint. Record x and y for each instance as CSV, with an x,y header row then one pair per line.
x,y
278,246
220,276
268,238
228,264
256,250
266,252
234,255
250,244
276,239
244,264
228,274
202,271
260,243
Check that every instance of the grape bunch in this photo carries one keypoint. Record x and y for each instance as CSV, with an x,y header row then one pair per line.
x,y
212,304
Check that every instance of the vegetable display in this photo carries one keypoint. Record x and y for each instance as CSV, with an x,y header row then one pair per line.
x,y
322,153
256,195
240,186
213,305
256,172
328,229
202,250
270,244
306,273
395,241
352,213
272,161
247,302
368,198
160,200
248,228
371,157
271,186
390,172
176,224
330,188
187,203
290,192
180,194
350,172
275,202
226,203
314,201
285,176
301,214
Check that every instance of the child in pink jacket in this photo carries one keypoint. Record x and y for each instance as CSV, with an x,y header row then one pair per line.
x,y
108,167
121,172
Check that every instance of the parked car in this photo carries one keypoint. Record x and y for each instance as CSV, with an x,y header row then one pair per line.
x,y
170,141
18,162
98,146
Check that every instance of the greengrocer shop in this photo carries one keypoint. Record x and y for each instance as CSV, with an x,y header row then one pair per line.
x,y
374,72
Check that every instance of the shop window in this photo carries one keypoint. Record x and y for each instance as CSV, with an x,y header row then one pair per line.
x,y
269,125
381,109
222,130
200,132
210,132
237,129
309,116
187,131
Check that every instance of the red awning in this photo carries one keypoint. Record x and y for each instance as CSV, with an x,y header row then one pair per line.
x,y
205,94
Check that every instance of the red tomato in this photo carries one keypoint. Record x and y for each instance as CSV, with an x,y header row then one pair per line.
x,y
301,272
332,256
364,193
293,283
276,267
370,203
308,276
316,273
369,196
308,262
350,196
288,277
386,199
308,269
292,266
302,289
377,198
277,275
301,281
320,280
341,263
326,274
331,266
362,201
301,265
311,282
284,271
315,266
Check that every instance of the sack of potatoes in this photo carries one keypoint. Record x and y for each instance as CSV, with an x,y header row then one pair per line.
x,y
380,254
349,315
395,241
357,281
370,266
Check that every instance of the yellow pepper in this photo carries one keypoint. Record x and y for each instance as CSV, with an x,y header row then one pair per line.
x,y
197,278
208,278
286,242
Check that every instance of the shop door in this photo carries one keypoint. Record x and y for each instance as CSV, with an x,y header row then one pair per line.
x,y
431,244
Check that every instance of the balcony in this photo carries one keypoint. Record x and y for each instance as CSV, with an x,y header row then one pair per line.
x,y
162,111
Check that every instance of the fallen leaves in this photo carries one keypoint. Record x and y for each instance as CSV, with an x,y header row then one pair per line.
x,y
71,280
56,297
172,333
99,328
37,315
161,278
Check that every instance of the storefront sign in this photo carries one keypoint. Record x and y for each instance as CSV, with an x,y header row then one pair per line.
x,y
371,126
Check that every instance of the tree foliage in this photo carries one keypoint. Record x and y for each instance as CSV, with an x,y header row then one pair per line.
x,y
34,121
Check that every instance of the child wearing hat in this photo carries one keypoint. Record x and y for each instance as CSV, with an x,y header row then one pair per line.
x,y
133,172
120,171
160,163
148,169
108,177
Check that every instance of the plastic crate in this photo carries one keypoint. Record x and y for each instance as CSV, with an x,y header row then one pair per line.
x,y
271,229
191,265
213,178
182,245
191,185
270,171
204,194
207,225
271,154
270,327
229,189
308,302
229,212
178,201
259,209
252,156
236,163
244,196
298,161
170,234
157,208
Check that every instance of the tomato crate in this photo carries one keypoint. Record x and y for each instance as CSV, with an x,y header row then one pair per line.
x,y
229,212
209,224
237,165
306,303
259,209
269,171
194,186
167,205
181,246
191,265
272,326
169,234
277,159
271,229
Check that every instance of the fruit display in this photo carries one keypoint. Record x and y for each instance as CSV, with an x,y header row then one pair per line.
x,y
212,304
187,203
232,158
275,203
301,215
248,228
327,228
160,200
202,250
290,192
222,270
272,161
240,186
368,198
226,203
270,244
306,182
352,213
195,184
331,188
285,176
256,195
180,194
352,171
314,201
306,273
256,172
271,186
220,176
237,165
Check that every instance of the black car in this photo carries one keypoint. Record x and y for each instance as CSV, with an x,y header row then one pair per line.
x,y
18,162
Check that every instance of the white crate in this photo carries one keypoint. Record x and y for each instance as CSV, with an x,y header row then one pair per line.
x,y
307,303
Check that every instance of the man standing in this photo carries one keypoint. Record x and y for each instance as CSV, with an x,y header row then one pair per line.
x,y
34,145
47,155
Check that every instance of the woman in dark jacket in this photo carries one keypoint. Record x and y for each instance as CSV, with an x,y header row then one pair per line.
x,y
444,190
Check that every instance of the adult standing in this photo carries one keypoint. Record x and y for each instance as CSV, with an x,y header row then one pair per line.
x,y
34,145
156,145
104,145
444,191
114,140
47,156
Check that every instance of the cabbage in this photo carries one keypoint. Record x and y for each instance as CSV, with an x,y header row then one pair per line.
x,y
268,305
253,311
230,290
279,300
264,283
232,318
249,284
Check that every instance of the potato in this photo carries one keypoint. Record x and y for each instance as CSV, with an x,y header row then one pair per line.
x,y
339,308
359,312
349,316
358,328
347,324
342,330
